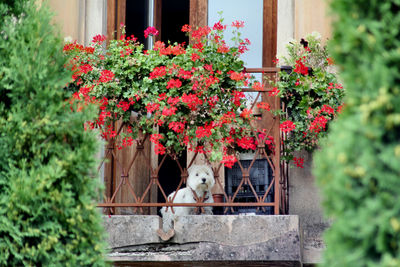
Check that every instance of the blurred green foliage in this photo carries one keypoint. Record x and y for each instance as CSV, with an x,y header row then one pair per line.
x,y
47,211
358,167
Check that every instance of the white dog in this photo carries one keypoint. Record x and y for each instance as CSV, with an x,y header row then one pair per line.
x,y
200,180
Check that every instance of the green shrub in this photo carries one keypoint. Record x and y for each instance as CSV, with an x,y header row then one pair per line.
x,y
358,167
47,211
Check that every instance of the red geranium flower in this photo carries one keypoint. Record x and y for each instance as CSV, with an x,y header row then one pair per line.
x,y
176,126
186,28
264,105
300,67
174,83
150,31
275,91
238,24
99,39
194,57
229,161
287,126
106,76
298,162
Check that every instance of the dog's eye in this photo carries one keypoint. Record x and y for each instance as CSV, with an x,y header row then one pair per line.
x,y
197,174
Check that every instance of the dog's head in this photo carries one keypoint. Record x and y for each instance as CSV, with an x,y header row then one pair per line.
x,y
201,178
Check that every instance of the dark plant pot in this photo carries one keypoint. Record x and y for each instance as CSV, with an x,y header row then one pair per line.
x,y
218,198
289,69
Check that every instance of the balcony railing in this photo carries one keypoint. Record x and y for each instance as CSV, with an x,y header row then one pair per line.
x,y
123,169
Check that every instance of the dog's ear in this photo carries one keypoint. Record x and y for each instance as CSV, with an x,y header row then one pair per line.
x,y
190,169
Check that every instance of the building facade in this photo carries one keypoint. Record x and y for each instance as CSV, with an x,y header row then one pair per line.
x,y
270,24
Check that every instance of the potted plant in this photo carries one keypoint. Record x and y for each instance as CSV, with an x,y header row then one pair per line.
x,y
310,93
181,96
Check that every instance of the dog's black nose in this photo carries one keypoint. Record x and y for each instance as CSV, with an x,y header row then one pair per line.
x,y
204,180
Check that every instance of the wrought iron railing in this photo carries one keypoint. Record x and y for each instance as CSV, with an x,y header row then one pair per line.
x,y
122,172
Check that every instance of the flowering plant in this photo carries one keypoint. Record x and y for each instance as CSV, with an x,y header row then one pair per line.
x,y
310,94
182,96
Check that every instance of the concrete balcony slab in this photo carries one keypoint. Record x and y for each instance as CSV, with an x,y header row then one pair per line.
x,y
207,239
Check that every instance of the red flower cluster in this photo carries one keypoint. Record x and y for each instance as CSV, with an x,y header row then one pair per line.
x,y
257,86
174,83
99,39
246,113
236,76
169,111
124,105
332,86
150,31
194,57
264,105
159,148
223,48
177,126
204,131
327,109
191,100
106,76
300,67
274,92
78,47
318,124
298,162
287,126
238,24
246,142
229,161
330,61
186,28
237,98
158,72
151,107
201,32
85,68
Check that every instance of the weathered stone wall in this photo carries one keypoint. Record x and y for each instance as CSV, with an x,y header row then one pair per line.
x,y
305,201
206,238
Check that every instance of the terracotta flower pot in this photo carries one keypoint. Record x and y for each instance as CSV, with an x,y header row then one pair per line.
x,y
218,198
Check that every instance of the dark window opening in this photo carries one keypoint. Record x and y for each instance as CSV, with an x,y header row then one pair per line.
x,y
175,14
137,15
170,175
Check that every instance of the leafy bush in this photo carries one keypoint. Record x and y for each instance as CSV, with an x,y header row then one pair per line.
x,y
310,93
358,168
47,211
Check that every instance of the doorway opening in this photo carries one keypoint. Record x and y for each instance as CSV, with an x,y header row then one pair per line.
x,y
170,175
174,14
136,20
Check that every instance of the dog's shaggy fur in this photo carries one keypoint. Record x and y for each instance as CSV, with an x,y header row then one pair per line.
x,y
200,180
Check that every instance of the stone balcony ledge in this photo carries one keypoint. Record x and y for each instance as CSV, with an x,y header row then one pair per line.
x,y
241,239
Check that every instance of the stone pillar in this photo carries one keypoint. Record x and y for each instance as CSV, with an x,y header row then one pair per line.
x,y
95,18
286,26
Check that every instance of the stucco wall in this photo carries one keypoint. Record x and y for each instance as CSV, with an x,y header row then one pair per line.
x,y
310,16
297,19
80,20
67,15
